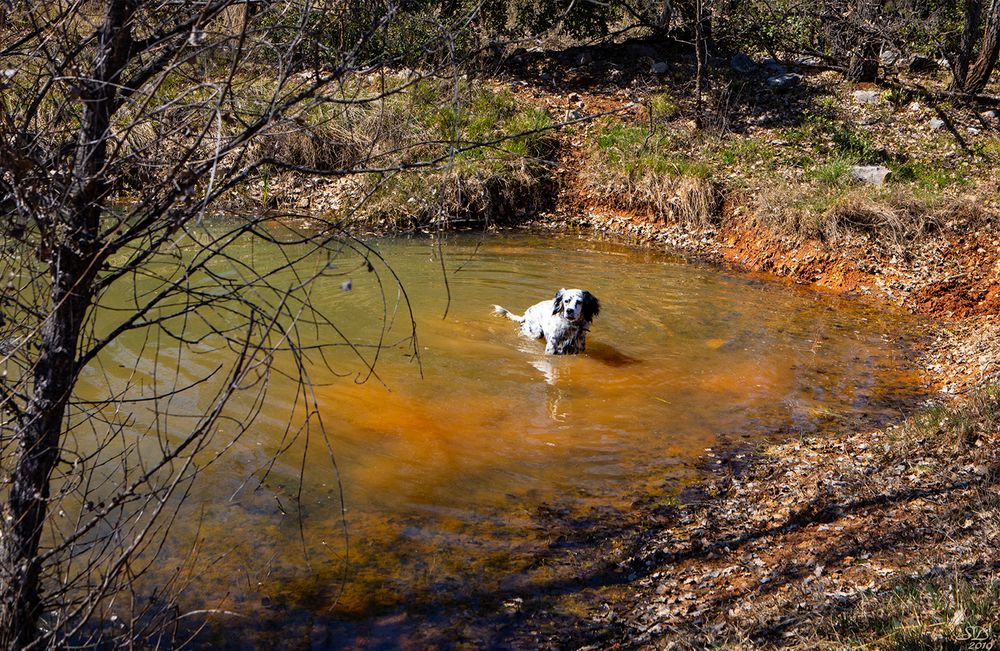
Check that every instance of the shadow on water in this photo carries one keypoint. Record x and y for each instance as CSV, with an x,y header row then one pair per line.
x,y
564,610
610,355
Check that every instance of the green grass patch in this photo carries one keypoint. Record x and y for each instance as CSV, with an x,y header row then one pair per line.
x,y
747,152
834,173
830,137
927,176
663,107
486,116
636,151
665,173
849,142
493,151
936,612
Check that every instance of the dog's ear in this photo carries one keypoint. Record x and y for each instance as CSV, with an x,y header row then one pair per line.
x,y
557,301
591,306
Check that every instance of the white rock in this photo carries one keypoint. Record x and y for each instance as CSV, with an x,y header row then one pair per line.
x,y
889,57
870,174
807,61
866,96
935,124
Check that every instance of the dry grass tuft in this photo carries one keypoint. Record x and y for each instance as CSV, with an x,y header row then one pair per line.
x,y
892,219
651,171
945,432
933,612
666,198
466,194
325,147
896,221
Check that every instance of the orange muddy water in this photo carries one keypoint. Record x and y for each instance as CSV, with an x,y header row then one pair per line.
x,y
454,485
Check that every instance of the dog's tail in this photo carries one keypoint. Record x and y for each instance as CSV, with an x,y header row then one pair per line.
x,y
504,312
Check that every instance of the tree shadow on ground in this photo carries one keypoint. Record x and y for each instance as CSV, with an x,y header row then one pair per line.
x,y
736,100
823,534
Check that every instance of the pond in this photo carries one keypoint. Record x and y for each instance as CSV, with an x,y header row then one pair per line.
x,y
457,480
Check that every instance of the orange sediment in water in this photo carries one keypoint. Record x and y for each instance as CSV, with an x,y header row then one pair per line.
x,y
448,467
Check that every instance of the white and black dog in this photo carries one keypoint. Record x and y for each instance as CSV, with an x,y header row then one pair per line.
x,y
564,321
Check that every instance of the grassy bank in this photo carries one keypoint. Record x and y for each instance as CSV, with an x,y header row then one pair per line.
x,y
432,153
791,173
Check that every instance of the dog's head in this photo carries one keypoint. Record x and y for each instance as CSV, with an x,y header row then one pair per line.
x,y
576,305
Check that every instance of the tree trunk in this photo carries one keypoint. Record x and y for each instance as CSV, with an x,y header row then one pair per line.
x,y
700,49
980,71
970,32
863,63
665,14
73,268
39,429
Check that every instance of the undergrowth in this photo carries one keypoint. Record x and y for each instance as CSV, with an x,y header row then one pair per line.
x,y
931,612
469,151
490,158
798,179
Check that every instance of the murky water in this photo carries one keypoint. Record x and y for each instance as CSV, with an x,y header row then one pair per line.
x,y
460,471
